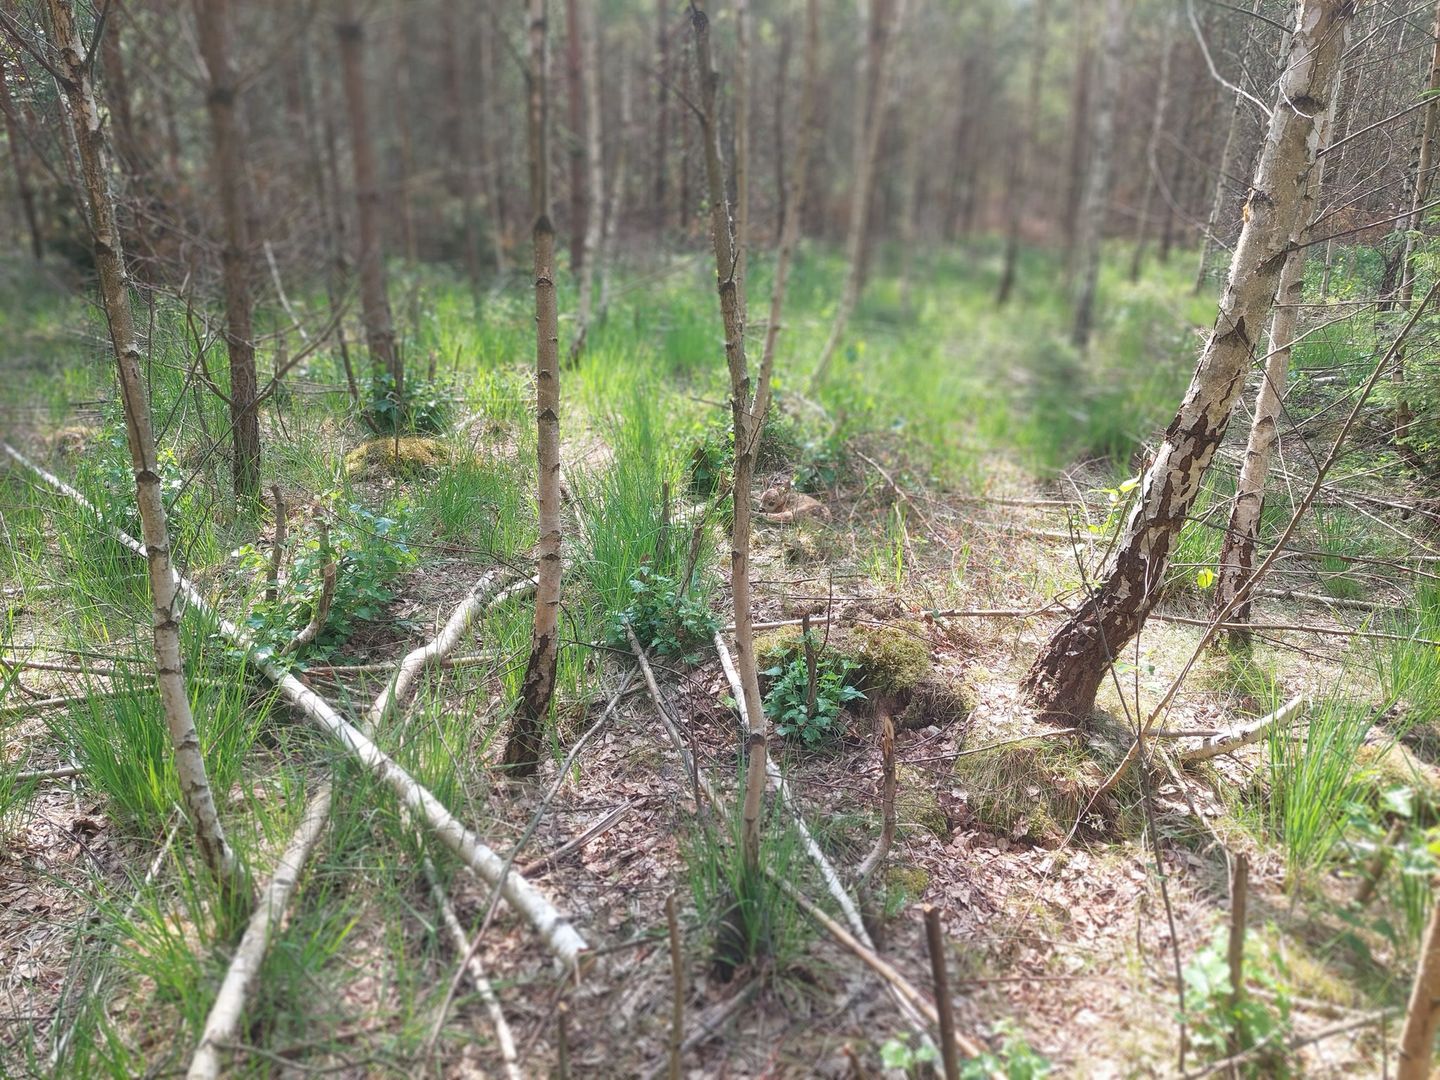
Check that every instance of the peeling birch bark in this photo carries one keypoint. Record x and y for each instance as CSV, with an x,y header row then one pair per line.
x,y
1064,679
87,125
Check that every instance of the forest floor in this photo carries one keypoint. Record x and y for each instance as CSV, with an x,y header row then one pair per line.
x,y
967,469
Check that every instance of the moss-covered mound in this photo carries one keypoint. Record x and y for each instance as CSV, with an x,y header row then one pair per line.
x,y
407,458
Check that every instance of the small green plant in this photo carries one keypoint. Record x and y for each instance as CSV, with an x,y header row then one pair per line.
x,y
370,551
1221,1025
1015,1059
418,406
789,703
666,619
897,1052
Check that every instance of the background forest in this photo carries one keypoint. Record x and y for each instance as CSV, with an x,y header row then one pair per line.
x,y
762,538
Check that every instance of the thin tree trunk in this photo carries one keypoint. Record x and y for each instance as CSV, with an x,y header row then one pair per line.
x,y
864,186
1419,195
1080,128
742,150
522,747
1227,150
400,105
589,30
790,230
661,184
606,256
20,161
459,46
1090,234
1065,677
575,142
87,124
782,78
1152,145
374,294
228,175
1417,1040
745,430
1018,188
490,156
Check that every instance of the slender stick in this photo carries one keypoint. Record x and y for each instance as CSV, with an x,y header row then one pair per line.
x,y
935,941
277,549
1235,947
677,976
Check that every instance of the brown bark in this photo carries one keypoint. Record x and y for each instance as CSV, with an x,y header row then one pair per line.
x,y
1417,1040
746,431
522,748
228,176
1065,677
457,47
20,162
1152,144
589,30
1080,127
87,126
374,293
575,141
661,183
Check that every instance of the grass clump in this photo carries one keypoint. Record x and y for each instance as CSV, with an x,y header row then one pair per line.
x,y
405,458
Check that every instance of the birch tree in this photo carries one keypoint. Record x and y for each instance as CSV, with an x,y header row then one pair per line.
x,y
73,66
522,748
1065,677
746,426
1095,202
212,19
374,292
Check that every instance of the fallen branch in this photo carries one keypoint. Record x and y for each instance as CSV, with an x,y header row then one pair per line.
x,y
1248,735
604,825
449,663
503,1036
222,1026
62,773
1329,601
554,929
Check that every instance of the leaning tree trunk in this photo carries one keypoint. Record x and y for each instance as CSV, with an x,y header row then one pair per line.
x,y
20,161
1065,677
867,162
374,294
211,21
746,430
522,747
87,125
1096,200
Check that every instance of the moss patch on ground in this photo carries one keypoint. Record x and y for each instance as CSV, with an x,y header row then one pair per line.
x,y
406,458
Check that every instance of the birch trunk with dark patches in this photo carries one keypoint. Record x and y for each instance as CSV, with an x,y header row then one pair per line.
x,y
875,109
522,747
228,175
20,162
87,125
1419,195
792,201
1095,203
374,292
1017,190
1065,677
746,431
595,181
1227,154
1152,144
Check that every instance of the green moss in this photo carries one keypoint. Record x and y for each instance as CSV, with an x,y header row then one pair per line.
x,y
412,456
893,659
916,805
907,881
777,646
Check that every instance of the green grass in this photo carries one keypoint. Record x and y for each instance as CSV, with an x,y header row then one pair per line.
x,y
1409,671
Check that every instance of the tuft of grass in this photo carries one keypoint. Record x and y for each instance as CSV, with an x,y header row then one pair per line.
x,y
1409,671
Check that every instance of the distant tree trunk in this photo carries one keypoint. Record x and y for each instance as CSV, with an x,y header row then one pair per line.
x,y
1227,150
522,747
589,30
619,178
1080,129
746,433
88,126
782,78
459,48
489,156
1095,205
864,186
790,230
661,163
1064,679
401,104
228,175
1177,199
742,148
910,128
20,162
1017,189
374,294
1420,193
575,142
1152,145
